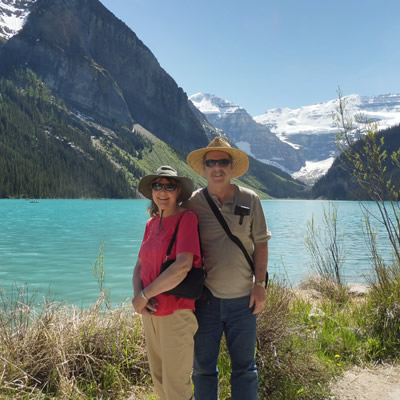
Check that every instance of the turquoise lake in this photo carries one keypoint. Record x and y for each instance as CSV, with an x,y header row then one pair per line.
x,y
52,245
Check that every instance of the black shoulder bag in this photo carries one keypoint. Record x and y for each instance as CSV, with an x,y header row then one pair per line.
x,y
234,238
191,287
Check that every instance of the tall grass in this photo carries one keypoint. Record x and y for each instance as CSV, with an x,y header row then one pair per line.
x,y
357,332
53,350
326,248
288,367
50,350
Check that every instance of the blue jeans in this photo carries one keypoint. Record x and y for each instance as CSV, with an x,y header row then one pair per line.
x,y
234,318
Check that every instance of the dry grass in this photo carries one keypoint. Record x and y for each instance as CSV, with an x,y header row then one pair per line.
x,y
66,352
324,288
287,364
54,351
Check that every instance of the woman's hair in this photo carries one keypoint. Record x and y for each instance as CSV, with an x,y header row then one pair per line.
x,y
152,209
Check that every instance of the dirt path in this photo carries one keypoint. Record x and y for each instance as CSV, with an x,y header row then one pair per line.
x,y
379,383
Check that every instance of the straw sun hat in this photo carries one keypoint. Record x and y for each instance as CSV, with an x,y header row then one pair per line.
x,y
166,171
240,163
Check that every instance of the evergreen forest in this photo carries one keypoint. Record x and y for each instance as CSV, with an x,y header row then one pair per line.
x,y
48,152
339,183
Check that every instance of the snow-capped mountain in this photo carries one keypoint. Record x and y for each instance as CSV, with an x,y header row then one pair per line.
x,y
12,16
255,139
310,130
313,128
209,104
317,118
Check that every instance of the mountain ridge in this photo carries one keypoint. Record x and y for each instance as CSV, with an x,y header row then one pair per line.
x,y
310,130
78,48
76,59
253,138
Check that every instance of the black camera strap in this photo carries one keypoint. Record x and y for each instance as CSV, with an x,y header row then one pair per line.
x,y
223,223
171,243
234,238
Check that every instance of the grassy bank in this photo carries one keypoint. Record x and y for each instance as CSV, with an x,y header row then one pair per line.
x,y
58,351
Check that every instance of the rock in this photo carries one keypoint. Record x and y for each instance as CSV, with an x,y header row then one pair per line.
x,y
100,68
357,289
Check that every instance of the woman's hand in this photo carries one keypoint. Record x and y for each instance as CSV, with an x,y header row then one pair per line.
x,y
139,303
143,306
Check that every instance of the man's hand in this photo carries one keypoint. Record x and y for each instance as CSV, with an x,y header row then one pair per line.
x,y
258,298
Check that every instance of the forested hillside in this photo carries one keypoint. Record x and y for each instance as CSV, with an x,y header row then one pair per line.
x,y
49,151
46,152
339,184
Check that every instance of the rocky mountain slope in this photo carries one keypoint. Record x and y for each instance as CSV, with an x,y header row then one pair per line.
x,y
100,67
299,141
255,139
104,73
76,59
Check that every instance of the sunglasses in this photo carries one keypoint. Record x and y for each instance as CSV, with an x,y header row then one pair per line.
x,y
169,187
223,162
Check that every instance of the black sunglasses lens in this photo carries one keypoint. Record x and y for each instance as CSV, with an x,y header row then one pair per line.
x,y
224,162
169,187
210,163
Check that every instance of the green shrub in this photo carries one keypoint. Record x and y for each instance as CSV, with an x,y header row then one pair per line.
x,y
288,367
382,315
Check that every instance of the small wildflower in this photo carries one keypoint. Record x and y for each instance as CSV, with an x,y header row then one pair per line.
x,y
337,356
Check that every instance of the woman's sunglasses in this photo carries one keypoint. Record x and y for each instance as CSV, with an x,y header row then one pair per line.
x,y
169,187
224,162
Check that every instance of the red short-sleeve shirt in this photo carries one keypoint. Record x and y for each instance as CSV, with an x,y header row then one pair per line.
x,y
154,248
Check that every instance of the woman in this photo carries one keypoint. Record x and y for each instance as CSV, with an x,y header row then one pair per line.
x,y
169,322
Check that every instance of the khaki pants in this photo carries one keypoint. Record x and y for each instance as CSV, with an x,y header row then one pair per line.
x,y
170,347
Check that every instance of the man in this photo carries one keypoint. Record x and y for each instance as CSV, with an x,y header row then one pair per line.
x,y
233,296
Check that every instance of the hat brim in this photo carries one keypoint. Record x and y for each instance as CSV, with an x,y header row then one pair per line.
x,y
240,163
185,184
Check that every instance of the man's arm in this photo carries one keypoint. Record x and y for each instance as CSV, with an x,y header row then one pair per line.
x,y
258,297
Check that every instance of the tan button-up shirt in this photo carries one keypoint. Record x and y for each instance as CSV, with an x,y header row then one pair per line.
x,y
229,275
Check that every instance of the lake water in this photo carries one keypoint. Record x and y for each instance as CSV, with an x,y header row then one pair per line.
x,y
52,245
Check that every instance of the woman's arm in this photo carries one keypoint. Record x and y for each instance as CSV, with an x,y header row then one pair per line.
x,y
136,281
141,303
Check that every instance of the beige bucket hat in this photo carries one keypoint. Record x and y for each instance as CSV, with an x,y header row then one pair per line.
x,y
240,163
166,171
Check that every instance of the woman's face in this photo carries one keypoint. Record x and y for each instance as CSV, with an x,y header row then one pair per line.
x,y
166,200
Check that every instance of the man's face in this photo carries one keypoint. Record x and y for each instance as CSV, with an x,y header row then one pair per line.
x,y
215,172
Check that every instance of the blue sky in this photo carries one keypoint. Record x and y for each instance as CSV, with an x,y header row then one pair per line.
x,y
264,54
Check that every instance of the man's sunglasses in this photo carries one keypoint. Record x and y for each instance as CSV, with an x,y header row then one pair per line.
x,y
223,162
169,187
